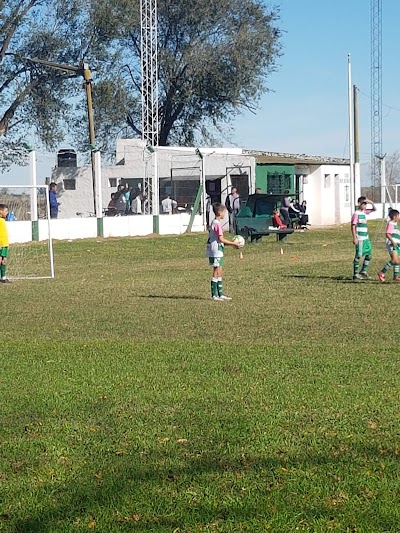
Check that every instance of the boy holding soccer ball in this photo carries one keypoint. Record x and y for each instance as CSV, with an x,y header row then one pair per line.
x,y
359,231
3,243
215,252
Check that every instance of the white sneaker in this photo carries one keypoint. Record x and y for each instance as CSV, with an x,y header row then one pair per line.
x,y
217,299
223,297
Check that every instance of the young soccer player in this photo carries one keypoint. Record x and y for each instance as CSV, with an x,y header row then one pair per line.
x,y
3,243
393,246
361,240
215,252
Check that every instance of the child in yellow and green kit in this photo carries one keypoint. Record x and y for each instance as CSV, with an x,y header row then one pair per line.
x,y
3,243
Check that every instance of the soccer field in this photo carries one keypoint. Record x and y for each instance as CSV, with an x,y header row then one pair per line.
x,y
132,402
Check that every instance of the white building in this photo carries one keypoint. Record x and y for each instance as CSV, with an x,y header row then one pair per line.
x,y
323,182
179,171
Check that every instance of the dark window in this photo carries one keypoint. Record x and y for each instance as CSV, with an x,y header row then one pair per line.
x,y
70,185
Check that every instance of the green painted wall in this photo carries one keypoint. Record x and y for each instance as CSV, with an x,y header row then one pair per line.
x,y
275,179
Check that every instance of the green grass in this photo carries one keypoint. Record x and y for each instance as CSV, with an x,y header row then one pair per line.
x,y
131,402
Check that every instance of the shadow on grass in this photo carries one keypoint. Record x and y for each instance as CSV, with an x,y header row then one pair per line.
x,y
170,297
340,279
154,491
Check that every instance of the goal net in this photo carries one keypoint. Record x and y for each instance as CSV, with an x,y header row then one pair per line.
x,y
30,253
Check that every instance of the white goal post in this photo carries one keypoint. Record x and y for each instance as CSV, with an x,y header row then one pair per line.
x,y
29,231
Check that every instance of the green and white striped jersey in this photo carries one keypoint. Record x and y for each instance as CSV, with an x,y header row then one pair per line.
x,y
394,232
359,220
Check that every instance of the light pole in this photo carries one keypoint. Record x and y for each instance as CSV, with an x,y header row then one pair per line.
x,y
84,71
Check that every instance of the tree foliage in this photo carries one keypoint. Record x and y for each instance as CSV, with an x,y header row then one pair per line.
x,y
32,95
214,61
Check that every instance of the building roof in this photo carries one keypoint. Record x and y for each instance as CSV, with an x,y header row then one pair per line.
x,y
294,159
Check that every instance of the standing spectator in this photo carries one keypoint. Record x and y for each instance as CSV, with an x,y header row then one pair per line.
x,y
285,204
208,210
111,211
232,203
120,200
258,190
54,204
127,198
137,204
168,205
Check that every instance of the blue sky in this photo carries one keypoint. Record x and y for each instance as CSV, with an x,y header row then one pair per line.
x,y
307,110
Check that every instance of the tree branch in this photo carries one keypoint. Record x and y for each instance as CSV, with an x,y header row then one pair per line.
x,y
14,25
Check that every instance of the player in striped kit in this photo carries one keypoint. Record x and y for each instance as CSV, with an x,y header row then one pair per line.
x,y
393,246
359,230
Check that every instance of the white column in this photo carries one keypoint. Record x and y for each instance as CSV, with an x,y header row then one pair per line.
x,y
33,182
357,180
204,193
383,180
156,185
99,187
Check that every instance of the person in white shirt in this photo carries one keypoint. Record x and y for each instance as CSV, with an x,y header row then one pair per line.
x,y
232,204
136,204
168,205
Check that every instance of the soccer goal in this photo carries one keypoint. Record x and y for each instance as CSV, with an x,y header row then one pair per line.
x,y
29,231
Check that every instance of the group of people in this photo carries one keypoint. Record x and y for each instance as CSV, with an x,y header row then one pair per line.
x,y
362,243
291,209
130,201
126,201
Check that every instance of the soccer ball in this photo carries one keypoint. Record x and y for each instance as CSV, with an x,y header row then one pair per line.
x,y
239,239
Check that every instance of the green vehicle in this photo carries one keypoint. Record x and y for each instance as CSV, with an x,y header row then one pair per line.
x,y
255,218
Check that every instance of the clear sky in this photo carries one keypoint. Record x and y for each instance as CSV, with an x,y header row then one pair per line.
x,y
307,110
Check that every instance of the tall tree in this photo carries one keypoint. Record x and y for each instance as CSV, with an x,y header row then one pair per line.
x,y
32,95
214,61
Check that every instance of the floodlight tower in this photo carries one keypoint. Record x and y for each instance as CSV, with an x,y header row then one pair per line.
x,y
148,14
376,90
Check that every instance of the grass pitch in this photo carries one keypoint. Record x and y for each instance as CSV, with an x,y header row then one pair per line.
x,y
131,402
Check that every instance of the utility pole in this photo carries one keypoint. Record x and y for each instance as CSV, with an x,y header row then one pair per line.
x,y
351,134
84,71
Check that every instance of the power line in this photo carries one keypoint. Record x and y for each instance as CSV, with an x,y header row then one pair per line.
x,y
384,105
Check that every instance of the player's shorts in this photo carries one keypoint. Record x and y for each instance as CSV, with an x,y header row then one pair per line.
x,y
363,248
4,251
216,261
391,249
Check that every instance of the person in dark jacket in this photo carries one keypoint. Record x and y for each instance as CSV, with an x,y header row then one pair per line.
x,y
54,204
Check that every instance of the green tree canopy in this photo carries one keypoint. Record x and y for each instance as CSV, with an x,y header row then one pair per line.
x,y
214,62
32,95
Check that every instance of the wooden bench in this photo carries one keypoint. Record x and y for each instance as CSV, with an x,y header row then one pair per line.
x,y
254,234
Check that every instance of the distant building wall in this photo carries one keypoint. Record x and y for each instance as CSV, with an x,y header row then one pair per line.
x,y
75,190
326,189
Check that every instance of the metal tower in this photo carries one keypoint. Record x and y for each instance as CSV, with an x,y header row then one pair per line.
x,y
376,90
148,14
